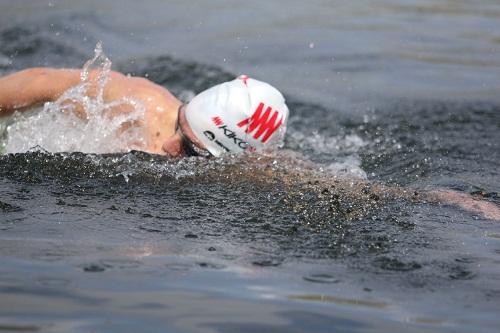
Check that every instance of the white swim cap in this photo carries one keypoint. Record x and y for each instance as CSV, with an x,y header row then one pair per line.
x,y
239,115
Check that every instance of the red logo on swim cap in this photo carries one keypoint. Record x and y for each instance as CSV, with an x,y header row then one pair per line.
x,y
262,122
217,121
244,78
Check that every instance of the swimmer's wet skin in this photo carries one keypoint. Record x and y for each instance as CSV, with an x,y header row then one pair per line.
x,y
34,86
243,115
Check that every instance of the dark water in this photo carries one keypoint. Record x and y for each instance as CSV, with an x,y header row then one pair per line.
x,y
134,242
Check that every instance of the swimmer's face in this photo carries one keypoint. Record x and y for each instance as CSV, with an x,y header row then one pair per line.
x,y
183,143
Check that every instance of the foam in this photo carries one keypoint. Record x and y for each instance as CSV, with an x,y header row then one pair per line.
x,y
342,149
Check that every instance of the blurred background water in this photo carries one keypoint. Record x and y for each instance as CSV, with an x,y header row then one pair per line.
x,y
320,51
398,92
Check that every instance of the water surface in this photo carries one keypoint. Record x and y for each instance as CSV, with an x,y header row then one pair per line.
x,y
398,93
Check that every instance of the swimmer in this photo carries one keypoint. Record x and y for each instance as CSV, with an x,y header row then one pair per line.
x,y
243,115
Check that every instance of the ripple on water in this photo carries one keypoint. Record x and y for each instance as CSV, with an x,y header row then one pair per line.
x,y
53,282
394,264
20,327
321,278
340,300
9,208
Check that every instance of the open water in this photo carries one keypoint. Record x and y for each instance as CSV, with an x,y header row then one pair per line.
x,y
387,98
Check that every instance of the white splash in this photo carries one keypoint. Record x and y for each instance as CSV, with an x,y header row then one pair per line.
x,y
349,167
58,127
343,150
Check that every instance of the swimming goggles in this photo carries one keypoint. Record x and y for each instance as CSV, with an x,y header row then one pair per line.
x,y
188,147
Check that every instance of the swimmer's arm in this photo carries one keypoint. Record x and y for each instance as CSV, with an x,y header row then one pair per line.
x,y
34,86
475,204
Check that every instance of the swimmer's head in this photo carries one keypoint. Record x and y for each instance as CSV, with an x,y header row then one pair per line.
x,y
237,116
